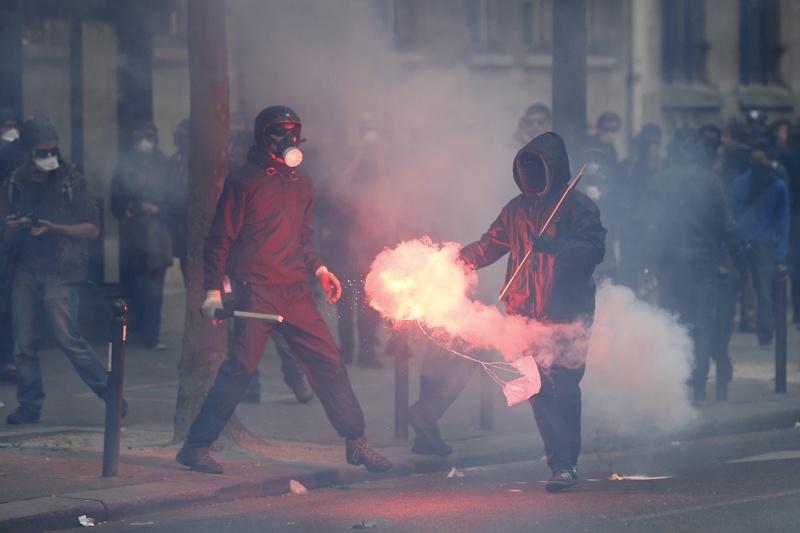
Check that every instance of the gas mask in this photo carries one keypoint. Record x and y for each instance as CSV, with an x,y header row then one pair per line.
x,y
10,135
533,174
286,147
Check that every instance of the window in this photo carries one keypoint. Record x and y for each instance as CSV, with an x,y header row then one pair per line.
x,y
684,45
759,49
404,18
536,18
487,26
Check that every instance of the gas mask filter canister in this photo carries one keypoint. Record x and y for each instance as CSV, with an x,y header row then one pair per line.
x,y
288,150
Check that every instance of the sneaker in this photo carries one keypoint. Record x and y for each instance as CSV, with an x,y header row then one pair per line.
x,y
23,415
359,452
561,479
429,440
302,391
198,459
157,347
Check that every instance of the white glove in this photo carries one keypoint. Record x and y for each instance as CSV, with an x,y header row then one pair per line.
x,y
212,303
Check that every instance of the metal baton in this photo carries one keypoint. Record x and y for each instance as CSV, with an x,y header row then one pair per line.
x,y
222,314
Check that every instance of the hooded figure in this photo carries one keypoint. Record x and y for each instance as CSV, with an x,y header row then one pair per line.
x,y
553,286
556,284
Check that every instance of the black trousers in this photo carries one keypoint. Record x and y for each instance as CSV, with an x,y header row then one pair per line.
x,y
309,340
557,409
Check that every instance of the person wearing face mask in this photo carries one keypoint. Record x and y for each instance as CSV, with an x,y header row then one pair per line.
x,y
260,239
50,214
142,202
760,203
11,157
553,286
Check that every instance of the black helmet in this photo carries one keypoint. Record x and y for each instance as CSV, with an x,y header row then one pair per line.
x,y
276,114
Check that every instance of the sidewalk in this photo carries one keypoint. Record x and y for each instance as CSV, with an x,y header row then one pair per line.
x,y
52,472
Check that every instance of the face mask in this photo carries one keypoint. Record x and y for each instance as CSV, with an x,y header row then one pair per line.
x,y
145,146
532,175
46,164
10,136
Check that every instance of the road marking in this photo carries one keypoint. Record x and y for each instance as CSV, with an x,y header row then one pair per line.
x,y
706,507
132,389
771,456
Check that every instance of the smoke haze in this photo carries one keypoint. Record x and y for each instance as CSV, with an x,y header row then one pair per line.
x,y
443,143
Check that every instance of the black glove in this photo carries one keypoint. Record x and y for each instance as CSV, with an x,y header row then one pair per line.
x,y
546,244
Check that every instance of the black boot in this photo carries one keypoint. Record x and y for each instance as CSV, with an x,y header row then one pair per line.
x,y
429,439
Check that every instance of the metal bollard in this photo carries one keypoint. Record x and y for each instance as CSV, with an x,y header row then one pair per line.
x,y
116,371
780,288
487,402
401,396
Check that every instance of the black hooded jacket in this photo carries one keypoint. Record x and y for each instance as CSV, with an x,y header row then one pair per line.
x,y
555,288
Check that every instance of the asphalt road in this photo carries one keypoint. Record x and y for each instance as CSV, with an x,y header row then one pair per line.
x,y
746,482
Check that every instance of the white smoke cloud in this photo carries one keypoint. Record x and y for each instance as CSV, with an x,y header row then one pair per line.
x,y
638,363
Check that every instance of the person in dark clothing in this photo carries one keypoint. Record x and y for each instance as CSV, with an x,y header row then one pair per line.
x,y
692,223
50,214
711,137
633,192
178,191
536,120
11,157
11,152
348,238
555,286
140,200
601,181
735,158
261,237
759,200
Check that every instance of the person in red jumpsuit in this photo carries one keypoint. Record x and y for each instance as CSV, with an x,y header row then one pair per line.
x,y
261,239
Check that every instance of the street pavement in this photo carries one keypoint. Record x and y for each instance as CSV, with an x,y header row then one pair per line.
x,y
52,472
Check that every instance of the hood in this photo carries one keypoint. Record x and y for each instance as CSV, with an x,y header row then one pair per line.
x,y
550,149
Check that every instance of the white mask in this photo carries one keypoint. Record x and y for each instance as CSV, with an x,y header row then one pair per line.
x,y
10,136
46,164
144,146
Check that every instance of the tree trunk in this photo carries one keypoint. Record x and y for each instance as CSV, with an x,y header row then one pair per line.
x,y
204,344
